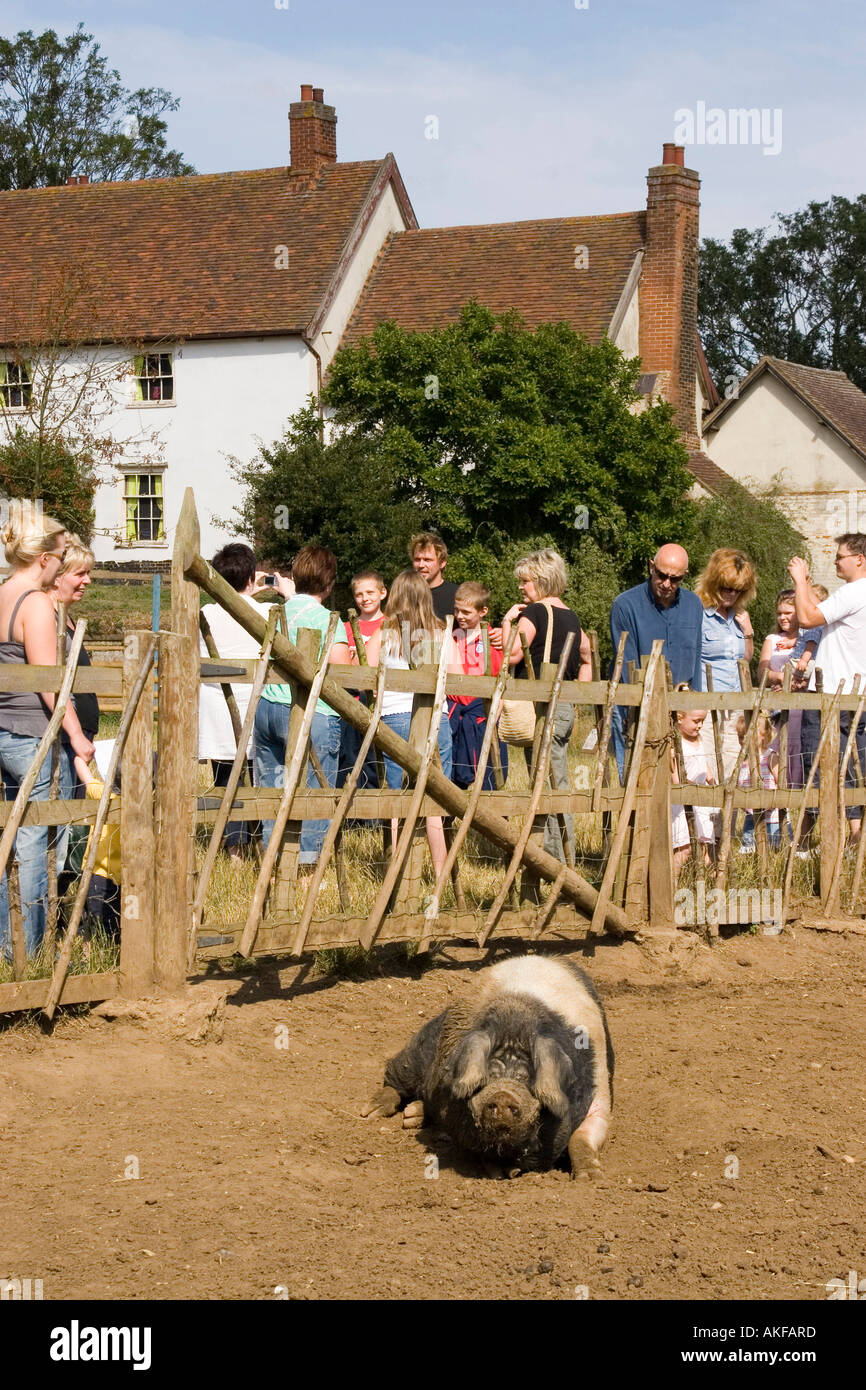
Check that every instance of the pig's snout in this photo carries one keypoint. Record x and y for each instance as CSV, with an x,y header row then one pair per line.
x,y
504,1112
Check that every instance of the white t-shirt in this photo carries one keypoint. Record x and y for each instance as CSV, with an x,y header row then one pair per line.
x,y
842,653
215,734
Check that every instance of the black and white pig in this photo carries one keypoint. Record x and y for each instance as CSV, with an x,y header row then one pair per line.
x,y
517,1077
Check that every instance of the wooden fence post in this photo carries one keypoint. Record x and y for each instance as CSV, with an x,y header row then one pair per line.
x,y
136,832
828,806
177,754
651,828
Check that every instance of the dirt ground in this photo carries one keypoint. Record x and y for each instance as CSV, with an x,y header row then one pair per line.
x,y
257,1178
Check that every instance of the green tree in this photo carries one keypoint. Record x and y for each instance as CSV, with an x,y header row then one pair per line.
x,y
797,292
338,493
67,483
64,111
496,433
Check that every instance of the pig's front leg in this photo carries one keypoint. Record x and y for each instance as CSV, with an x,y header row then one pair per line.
x,y
588,1139
386,1102
382,1103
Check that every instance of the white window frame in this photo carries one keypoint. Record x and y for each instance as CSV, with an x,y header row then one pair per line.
x,y
124,542
141,378
24,384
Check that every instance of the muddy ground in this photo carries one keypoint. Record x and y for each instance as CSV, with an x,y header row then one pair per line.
x,y
258,1179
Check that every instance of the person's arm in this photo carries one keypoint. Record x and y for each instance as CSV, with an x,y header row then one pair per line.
x,y
510,618
85,776
341,654
585,671
528,629
622,621
39,622
775,677
745,624
807,610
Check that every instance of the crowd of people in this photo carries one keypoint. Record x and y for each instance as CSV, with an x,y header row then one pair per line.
x,y
705,634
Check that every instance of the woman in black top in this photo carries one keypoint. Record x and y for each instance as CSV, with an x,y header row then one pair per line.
x,y
542,577
73,579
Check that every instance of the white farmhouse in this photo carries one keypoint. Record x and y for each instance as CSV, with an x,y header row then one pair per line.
x,y
221,299
804,429
230,293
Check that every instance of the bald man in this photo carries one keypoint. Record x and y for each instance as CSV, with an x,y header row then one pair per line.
x,y
659,608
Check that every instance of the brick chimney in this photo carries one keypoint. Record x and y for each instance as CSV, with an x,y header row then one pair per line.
x,y
669,286
313,133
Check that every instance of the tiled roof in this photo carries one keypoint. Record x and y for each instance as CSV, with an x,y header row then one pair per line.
x,y
830,395
710,476
422,278
183,258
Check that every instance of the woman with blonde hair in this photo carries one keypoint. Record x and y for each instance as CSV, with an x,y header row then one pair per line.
x,y
542,578
35,548
409,637
726,587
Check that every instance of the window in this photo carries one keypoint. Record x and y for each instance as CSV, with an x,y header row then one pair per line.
x,y
16,388
143,506
154,379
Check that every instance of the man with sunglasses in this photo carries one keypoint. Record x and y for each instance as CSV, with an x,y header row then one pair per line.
x,y
842,652
659,607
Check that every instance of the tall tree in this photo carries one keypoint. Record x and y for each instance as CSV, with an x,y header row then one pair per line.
x,y
64,111
796,292
496,432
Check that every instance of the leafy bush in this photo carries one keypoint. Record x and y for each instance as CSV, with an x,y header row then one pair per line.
x,y
38,469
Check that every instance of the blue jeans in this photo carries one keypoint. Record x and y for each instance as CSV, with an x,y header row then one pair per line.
x,y
17,752
269,744
400,724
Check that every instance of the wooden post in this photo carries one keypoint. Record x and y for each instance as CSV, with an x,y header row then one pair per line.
x,y
136,830
828,800
177,754
650,857
309,641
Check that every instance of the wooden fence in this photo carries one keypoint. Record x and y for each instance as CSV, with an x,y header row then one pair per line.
x,y
619,876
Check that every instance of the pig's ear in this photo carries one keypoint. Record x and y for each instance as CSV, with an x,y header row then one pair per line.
x,y
468,1064
553,1075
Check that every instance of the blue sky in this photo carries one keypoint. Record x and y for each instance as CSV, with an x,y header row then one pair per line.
x,y
543,109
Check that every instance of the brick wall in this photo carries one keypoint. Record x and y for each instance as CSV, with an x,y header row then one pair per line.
x,y
669,285
312,132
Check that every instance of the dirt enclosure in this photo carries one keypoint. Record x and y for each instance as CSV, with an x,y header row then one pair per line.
x,y
257,1178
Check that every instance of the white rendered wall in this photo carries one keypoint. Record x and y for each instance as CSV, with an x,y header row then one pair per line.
x,y
227,394
387,218
769,431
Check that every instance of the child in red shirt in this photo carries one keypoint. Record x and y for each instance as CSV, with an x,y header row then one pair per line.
x,y
369,593
466,712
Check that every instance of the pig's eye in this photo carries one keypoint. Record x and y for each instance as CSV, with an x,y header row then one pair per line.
x,y
509,1063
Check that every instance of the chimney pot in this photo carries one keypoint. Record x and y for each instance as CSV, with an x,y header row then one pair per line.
x,y
306,91
73,179
673,154
318,94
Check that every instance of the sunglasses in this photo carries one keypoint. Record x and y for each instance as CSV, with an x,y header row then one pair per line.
x,y
730,589
671,578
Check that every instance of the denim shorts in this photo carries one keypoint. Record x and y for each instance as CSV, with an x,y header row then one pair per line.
x,y
400,725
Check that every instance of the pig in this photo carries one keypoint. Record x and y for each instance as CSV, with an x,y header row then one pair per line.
x,y
518,1077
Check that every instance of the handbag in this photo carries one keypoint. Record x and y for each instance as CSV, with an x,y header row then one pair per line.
x,y
517,720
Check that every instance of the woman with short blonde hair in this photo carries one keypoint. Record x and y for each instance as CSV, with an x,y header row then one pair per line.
x,y
543,577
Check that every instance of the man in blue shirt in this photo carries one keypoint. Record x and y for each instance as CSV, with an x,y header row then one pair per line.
x,y
658,608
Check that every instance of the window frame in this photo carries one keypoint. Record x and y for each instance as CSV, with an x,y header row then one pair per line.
x,y
143,379
125,541
24,384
